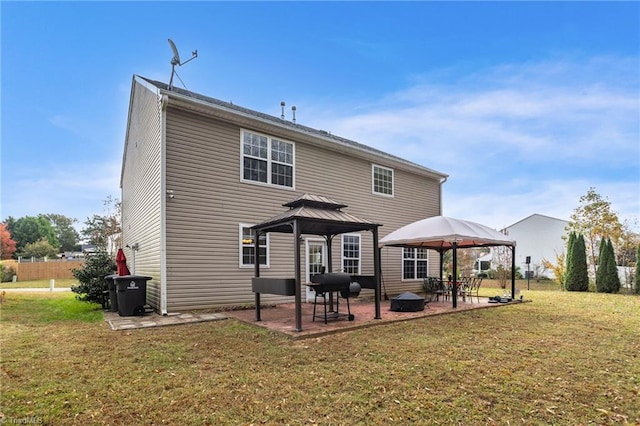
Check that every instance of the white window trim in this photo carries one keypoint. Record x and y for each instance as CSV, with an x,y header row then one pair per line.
x,y
415,265
240,246
373,181
268,160
359,251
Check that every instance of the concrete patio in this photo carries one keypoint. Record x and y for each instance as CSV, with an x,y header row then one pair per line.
x,y
281,318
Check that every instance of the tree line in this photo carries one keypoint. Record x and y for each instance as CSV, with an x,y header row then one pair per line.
x,y
48,235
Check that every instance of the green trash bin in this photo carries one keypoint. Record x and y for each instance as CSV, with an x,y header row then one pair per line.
x,y
132,294
113,296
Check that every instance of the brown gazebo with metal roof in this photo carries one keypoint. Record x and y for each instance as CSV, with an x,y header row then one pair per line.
x,y
313,215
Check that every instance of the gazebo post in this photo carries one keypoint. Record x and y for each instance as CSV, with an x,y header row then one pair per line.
x,y
377,271
329,261
454,289
256,266
513,272
296,251
441,263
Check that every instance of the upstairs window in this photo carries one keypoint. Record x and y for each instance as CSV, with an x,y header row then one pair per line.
x,y
267,160
382,180
248,249
415,263
351,254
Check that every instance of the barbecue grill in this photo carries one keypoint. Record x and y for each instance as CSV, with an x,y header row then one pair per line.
x,y
324,284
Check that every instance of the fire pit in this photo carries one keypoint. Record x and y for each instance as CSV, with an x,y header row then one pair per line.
x,y
407,302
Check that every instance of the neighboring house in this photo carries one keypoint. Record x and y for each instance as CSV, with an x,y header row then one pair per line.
x,y
539,237
197,173
483,264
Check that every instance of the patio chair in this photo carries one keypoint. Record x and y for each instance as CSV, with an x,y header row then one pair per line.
x,y
464,287
475,289
434,288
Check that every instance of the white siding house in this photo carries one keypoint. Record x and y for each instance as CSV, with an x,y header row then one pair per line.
x,y
539,237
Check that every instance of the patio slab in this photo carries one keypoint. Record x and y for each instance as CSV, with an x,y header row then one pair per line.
x,y
281,318
116,322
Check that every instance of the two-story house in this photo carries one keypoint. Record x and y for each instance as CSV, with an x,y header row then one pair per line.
x,y
198,172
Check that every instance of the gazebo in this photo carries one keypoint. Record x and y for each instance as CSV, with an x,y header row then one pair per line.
x,y
443,233
311,215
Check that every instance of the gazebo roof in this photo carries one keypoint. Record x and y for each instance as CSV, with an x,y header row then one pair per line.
x,y
441,232
316,215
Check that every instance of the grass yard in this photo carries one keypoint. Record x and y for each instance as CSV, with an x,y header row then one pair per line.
x,y
567,358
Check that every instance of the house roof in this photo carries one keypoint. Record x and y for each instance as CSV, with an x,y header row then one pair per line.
x,y
533,215
177,92
316,215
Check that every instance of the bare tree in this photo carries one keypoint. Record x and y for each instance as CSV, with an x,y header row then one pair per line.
x,y
105,231
595,220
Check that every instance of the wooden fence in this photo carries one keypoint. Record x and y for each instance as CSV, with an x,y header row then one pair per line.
x,y
57,269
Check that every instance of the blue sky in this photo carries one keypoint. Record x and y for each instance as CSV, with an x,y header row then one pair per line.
x,y
526,105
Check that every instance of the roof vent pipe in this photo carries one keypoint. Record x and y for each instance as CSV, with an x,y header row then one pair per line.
x,y
282,106
293,110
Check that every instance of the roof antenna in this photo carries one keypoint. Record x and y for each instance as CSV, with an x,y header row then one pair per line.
x,y
282,106
293,110
176,61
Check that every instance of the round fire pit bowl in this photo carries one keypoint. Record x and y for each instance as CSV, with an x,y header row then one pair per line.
x,y
407,302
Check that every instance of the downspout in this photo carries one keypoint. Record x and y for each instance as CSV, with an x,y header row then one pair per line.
x,y
442,181
163,205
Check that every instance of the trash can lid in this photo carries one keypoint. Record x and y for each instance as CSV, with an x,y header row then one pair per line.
x,y
110,277
132,277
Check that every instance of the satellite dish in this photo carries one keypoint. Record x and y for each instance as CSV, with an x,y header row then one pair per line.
x,y
176,55
176,61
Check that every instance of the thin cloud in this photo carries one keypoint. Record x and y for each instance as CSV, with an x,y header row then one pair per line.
x,y
72,191
554,129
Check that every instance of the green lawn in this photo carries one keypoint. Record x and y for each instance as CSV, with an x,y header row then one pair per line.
x,y
564,359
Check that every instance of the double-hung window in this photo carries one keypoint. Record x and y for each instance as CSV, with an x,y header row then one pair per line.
x,y
267,160
382,180
351,254
248,249
415,263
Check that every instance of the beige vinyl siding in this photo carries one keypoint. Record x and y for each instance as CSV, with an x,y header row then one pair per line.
x,y
203,171
348,179
141,183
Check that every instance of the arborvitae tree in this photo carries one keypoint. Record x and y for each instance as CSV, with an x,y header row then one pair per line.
x,y
568,272
601,272
612,279
578,277
637,286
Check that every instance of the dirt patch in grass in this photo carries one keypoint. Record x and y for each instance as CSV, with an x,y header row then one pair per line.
x,y
566,358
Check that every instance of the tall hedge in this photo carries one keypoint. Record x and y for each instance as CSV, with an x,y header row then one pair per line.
x,y
577,278
570,243
601,272
612,278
